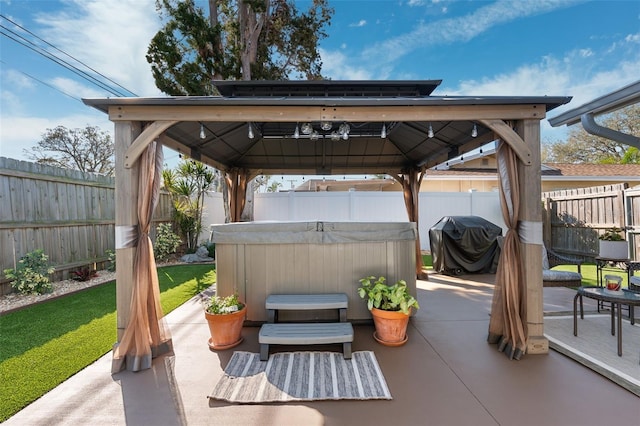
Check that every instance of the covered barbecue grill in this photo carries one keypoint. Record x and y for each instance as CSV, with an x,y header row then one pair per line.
x,y
464,244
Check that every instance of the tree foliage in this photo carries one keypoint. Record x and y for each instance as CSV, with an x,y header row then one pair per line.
x,y
583,147
87,150
188,185
239,40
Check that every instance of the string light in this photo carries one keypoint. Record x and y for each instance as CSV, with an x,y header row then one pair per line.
x,y
430,132
344,130
474,131
383,133
202,133
251,135
296,132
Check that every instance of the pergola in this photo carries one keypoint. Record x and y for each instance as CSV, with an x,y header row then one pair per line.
x,y
323,128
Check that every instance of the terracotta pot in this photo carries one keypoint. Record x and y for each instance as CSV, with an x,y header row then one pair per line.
x,y
225,329
391,327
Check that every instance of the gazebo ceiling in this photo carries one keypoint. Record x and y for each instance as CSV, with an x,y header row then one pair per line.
x,y
273,110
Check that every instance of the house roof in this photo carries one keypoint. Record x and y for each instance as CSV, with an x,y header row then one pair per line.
x,y
553,171
273,110
627,171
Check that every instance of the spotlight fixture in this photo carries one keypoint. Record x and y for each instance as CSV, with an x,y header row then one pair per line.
x,y
325,125
202,133
250,134
383,133
296,132
314,135
474,131
306,128
430,132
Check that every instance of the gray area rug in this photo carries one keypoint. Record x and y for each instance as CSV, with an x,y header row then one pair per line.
x,y
596,348
301,376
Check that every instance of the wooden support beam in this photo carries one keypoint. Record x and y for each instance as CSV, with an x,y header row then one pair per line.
x,y
150,133
297,113
506,133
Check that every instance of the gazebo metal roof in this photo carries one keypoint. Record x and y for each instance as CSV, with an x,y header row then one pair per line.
x,y
273,110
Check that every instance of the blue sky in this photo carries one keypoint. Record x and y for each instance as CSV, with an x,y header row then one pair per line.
x,y
583,49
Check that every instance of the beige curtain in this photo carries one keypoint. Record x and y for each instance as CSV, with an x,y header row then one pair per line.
x,y
410,180
146,335
507,325
237,192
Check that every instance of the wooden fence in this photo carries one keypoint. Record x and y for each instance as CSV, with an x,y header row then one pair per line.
x,y
67,213
574,219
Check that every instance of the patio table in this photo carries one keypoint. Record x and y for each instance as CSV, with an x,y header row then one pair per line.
x,y
616,298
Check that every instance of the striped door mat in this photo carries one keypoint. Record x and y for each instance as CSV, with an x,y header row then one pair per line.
x,y
301,376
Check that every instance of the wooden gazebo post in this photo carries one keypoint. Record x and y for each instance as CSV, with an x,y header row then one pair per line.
x,y
126,216
531,214
410,180
237,180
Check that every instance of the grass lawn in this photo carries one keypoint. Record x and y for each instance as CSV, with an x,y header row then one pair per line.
x,y
43,345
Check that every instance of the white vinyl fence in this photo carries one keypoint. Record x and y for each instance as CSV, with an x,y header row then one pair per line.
x,y
362,206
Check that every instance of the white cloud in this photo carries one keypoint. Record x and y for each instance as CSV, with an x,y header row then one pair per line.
x,y
16,79
464,28
586,52
339,66
633,38
76,89
111,36
22,132
571,75
360,23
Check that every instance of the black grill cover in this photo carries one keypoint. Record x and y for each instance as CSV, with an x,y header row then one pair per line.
x,y
464,244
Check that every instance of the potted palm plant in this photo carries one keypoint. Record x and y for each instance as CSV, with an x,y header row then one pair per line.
x,y
225,316
390,307
612,245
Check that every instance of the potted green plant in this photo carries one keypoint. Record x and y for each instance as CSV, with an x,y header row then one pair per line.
x,y
390,307
225,316
612,244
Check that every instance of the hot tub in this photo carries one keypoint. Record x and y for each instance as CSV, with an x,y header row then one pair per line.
x,y
256,259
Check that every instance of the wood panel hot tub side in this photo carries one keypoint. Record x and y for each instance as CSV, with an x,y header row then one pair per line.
x,y
255,270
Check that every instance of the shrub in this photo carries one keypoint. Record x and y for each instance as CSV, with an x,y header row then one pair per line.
x,y
167,241
84,274
612,234
31,275
111,267
211,248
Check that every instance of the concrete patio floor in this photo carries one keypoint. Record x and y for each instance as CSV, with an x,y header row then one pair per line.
x,y
445,375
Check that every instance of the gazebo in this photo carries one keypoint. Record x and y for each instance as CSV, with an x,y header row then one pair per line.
x,y
323,128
